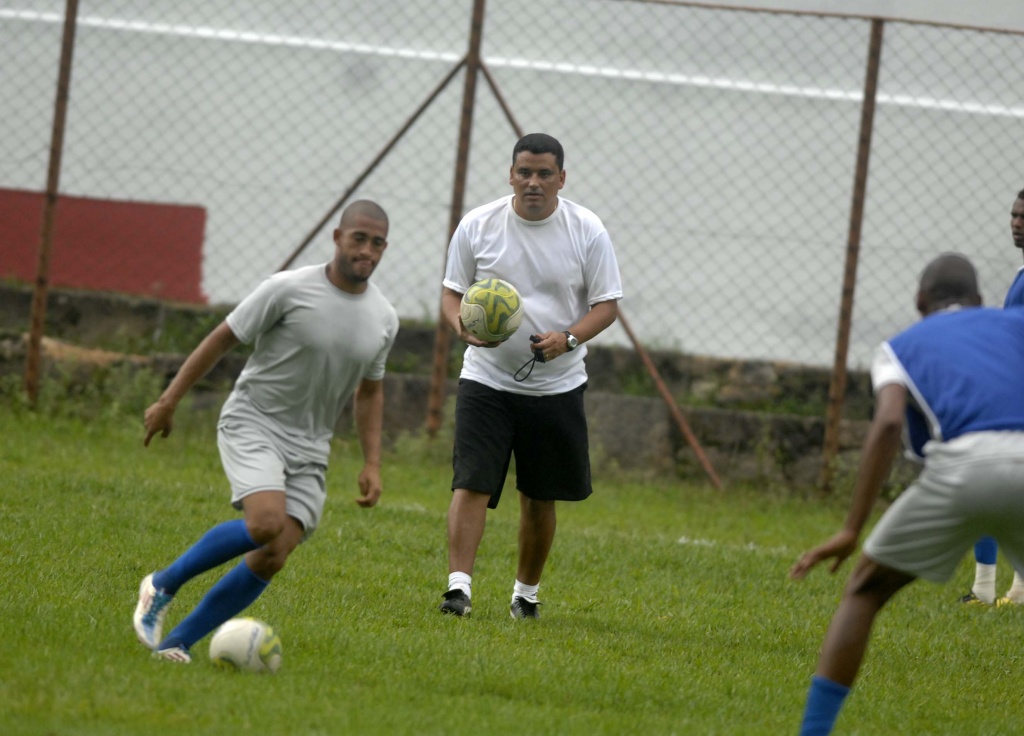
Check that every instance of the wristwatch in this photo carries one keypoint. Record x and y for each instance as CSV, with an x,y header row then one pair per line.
x,y
570,341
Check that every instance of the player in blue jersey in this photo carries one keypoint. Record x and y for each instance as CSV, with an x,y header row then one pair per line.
x,y
950,387
322,335
983,591
1015,296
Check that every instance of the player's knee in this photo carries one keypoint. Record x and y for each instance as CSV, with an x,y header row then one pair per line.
x,y
875,583
265,526
266,562
537,509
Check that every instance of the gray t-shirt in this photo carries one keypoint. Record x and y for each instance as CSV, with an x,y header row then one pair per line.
x,y
314,343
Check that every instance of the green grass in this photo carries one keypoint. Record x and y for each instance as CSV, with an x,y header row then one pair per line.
x,y
641,632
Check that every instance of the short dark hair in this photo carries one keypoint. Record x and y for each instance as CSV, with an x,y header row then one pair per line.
x,y
363,208
539,143
1020,194
949,279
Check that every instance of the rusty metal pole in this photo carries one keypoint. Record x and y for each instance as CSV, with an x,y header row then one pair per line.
x,y
673,407
501,100
38,315
443,335
369,169
837,385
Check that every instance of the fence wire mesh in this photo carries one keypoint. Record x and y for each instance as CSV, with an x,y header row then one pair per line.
x,y
718,146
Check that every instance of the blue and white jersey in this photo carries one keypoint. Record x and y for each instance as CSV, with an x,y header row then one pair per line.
x,y
963,369
1015,296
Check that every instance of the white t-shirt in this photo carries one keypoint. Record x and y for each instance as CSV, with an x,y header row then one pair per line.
x,y
314,344
561,266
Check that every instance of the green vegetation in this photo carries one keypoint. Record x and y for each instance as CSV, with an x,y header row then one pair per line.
x,y
180,330
801,406
667,608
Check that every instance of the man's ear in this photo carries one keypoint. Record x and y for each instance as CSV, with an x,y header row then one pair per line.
x,y
922,303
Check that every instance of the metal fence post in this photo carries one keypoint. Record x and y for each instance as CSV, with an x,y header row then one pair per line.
x,y
837,384
443,337
38,317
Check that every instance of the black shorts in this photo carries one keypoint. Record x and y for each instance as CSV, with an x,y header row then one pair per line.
x,y
547,435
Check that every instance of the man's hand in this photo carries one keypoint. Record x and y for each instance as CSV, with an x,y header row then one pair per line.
x,y
370,486
451,308
839,547
159,417
551,344
470,339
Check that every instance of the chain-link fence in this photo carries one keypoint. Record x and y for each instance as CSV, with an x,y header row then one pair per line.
x,y
718,146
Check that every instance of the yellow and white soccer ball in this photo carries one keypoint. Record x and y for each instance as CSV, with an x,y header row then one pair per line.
x,y
246,645
492,310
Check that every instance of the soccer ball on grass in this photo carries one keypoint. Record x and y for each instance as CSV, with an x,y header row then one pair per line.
x,y
492,310
246,645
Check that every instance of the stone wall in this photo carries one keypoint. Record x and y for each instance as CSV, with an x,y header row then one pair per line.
x,y
740,411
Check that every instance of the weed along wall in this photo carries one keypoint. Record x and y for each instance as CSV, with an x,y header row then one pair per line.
x,y
756,421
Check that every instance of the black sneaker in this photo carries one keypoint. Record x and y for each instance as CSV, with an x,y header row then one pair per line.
x,y
456,603
522,608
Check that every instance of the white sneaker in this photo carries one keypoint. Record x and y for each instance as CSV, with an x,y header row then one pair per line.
x,y
174,654
150,612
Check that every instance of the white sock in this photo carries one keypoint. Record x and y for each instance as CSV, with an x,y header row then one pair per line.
x,y
984,582
522,590
461,581
1016,591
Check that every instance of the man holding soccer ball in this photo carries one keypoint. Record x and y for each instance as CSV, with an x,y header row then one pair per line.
x,y
322,334
558,255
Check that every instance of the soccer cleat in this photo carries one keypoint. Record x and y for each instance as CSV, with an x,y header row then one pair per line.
x,y
1008,601
150,612
177,654
973,600
522,608
456,603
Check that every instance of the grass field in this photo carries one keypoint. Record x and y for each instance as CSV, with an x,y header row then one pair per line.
x,y
667,608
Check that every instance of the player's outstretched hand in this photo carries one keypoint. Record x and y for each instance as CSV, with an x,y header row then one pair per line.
x,y
159,417
839,547
370,487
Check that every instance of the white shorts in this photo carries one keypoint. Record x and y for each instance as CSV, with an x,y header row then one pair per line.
x,y
255,460
970,487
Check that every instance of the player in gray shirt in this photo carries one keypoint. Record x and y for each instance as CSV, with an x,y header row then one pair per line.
x,y
321,335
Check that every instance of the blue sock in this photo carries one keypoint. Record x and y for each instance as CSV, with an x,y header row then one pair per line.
x,y
231,595
222,543
824,700
985,551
